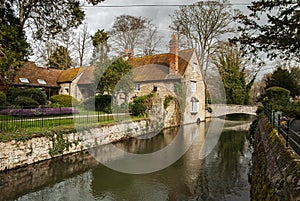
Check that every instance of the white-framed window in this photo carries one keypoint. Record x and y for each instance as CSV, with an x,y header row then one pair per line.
x,y
194,105
66,89
195,67
137,86
24,80
193,86
41,81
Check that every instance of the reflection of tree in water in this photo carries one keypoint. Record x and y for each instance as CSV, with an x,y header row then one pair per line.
x,y
223,169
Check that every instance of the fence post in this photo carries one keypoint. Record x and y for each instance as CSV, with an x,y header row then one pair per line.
x,y
273,118
21,115
287,133
42,117
278,123
270,113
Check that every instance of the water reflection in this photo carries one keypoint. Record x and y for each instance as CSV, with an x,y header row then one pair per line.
x,y
222,175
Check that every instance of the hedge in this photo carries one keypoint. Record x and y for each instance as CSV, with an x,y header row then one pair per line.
x,y
278,96
3,101
35,94
63,100
98,103
25,102
140,104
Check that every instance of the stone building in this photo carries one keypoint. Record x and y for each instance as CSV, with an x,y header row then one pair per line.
x,y
52,81
175,74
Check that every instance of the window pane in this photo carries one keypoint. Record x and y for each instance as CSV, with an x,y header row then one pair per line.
x,y
194,107
24,80
137,86
40,81
195,67
193,86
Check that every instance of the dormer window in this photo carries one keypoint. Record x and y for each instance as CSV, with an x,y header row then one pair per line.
x,y
41,81
24,80
195,67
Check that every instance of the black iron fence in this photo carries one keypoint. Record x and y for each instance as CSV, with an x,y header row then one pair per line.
x,y
282,123
12,118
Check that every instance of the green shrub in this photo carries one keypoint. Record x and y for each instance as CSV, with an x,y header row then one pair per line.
x,y
63,100
98,103
12,94
35,94
292,110
167,101
3,101
209,109
278,96
103,103
259,109
140,104
26,102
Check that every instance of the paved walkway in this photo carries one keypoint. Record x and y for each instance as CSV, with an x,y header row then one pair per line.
x,y
296,125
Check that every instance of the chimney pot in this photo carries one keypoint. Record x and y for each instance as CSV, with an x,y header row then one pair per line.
x,y
174,53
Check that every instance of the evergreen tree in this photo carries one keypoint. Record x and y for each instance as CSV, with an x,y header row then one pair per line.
x,y
285,79
101,47
116,77
228,60
60,58
13,46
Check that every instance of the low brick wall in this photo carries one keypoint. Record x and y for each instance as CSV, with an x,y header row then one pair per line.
x,y
19,153
275,170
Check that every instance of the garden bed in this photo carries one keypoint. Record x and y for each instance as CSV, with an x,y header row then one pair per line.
x,y
32,112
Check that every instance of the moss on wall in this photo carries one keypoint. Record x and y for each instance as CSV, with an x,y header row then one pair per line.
x,y
276,170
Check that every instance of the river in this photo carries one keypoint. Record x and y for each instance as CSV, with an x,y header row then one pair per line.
x,y
213,168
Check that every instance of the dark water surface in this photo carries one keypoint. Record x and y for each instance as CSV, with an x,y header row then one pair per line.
x,y
220,174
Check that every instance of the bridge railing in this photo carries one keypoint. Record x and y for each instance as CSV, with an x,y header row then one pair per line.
x,y
282,124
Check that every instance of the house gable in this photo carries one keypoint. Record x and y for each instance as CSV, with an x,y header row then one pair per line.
x,y
67,76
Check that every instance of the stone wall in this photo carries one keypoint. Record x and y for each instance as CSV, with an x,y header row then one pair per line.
x,y
276,169
19,153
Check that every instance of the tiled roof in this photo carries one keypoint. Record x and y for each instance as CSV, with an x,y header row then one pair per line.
x,y
69,75
87,76
150,72
156,67
32,73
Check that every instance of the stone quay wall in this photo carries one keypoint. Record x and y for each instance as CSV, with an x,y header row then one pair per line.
x,y
276,169
15,154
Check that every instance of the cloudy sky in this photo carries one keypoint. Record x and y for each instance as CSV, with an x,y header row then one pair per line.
x,y
102,16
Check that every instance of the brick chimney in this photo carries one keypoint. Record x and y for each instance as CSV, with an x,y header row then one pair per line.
x,y
174,53
128,54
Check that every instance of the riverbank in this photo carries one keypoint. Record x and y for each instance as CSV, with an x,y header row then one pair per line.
x,y
276,169
18,153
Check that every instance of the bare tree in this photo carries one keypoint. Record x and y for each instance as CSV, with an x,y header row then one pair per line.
x,y
81,45
203,25
134,34
151,40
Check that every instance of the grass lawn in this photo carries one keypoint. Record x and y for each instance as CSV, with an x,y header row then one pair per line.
x,y
15,128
